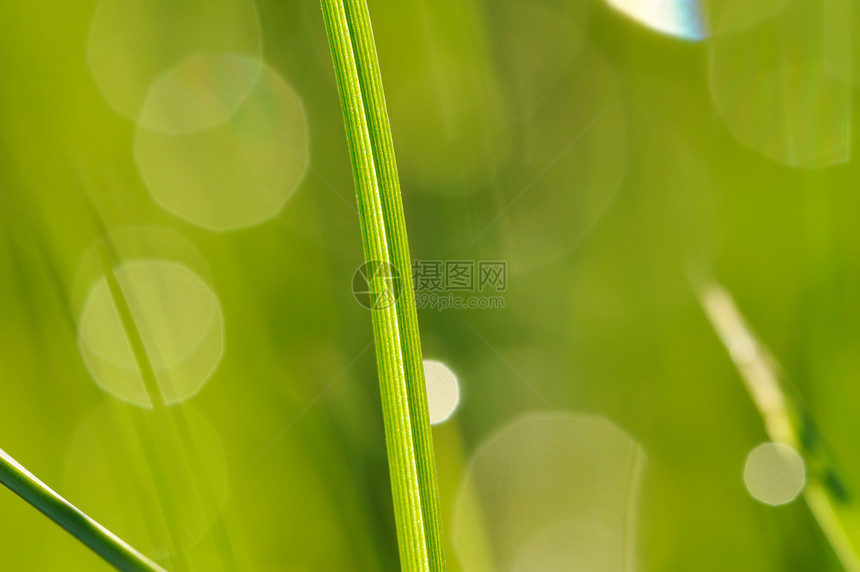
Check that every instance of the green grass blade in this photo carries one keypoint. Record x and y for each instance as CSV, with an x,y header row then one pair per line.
x,y
383,227
392,212
787,421
95,536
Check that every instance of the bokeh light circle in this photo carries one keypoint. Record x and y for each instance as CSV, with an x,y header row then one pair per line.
x,y
543,484
774,473
238,173
199,92
443,390
176,317
133,43
782,99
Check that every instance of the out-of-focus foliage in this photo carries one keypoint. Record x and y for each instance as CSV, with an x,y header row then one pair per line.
x,y
596,152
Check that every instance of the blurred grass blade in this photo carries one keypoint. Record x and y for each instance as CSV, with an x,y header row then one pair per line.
x,y
395,326
786,421
99,539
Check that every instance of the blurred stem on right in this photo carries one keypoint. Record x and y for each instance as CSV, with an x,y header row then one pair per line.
x,y
786,421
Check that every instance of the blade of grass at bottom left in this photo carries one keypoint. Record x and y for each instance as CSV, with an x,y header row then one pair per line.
x,y
96,537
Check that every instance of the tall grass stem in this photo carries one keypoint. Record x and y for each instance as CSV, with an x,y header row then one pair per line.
x,y
398,349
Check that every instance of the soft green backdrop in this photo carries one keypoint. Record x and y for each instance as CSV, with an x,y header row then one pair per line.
x,y
601,144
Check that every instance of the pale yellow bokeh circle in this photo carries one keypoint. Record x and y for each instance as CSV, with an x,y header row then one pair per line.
x,y
443,390
791,102
199,92
134,43
550,491
238,173
774,473
164,322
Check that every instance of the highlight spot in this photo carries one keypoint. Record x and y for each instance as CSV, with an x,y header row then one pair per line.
x,y
551,493
238,173
200,92
176,317
774,473
569,545
679,18
133,43
443,391
785,100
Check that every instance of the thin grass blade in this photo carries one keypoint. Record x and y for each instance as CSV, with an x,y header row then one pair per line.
x,y
787,421
383,227
95,536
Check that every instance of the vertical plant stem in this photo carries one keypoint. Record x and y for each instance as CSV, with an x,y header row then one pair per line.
x,y
95,536
398,348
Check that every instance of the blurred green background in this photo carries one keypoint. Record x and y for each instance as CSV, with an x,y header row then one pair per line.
x,y
598,149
